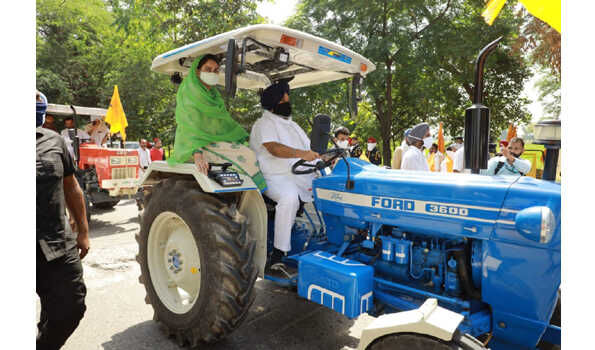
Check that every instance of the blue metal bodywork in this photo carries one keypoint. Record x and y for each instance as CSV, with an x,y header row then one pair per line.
x,y
518,277
410,227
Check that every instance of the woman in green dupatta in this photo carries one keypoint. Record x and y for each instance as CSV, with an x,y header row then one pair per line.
x,y
205,130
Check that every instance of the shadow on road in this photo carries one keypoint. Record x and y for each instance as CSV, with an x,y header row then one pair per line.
x,y
278,319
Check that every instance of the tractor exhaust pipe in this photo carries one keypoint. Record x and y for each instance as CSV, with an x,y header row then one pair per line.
x,y
477,118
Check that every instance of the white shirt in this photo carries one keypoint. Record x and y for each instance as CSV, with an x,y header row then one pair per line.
x,y
144,157
414,160
79,133
272,128
458,163
98,134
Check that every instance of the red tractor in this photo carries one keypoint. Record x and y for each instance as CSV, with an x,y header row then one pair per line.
x,y
106,173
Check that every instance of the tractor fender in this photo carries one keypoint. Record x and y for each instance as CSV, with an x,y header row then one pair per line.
x,y
251,203
429,319
159,170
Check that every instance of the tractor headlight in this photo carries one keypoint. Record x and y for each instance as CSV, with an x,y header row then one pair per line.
x,y
548,225
536,223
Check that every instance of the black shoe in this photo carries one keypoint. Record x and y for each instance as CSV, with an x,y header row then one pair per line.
x,y
276,257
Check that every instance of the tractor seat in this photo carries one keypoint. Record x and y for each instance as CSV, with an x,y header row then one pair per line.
x,y
271,205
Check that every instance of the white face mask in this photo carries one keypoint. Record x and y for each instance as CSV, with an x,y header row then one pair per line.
x,y
371,146
209,78
450,153
343,144
428,141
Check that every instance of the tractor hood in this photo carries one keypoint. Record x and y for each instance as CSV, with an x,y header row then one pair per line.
x,y
424,202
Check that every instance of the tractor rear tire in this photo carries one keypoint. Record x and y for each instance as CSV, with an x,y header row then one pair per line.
x,y
219,273
107,205
413,341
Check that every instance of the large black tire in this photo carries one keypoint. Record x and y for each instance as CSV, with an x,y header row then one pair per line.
x,y
413,341
228,271
107,205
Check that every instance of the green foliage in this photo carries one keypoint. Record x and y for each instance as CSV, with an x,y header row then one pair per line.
x,y
424,52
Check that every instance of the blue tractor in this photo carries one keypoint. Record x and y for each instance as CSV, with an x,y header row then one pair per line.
x,y
441,260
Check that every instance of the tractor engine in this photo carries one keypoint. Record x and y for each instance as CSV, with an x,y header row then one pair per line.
x,y
438,265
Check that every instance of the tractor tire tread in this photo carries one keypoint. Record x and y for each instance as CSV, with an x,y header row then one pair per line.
x,y
228,289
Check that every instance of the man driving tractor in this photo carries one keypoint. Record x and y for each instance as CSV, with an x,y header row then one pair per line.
x,y
278,142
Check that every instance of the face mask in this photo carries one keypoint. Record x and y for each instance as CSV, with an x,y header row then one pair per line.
x,y
283,109
343,144
371,146
428,141
516,155
209,78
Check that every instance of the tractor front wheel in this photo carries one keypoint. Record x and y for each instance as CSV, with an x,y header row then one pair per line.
x,y
414,341
197,262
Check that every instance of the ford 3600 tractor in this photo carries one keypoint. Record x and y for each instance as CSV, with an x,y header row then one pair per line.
x,y
441,260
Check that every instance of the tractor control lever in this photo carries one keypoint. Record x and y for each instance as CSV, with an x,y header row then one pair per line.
x,y
223,166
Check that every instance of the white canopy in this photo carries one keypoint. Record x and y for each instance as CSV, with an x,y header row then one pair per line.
x,y
312,60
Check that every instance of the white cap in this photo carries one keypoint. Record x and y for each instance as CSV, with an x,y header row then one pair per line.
x,y
96,117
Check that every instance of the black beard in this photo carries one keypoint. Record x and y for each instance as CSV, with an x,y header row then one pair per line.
x,y
283,109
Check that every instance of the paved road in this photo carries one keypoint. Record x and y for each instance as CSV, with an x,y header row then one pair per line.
x,y
118,318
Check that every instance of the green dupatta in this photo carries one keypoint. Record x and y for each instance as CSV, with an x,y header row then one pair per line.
x,y
201,118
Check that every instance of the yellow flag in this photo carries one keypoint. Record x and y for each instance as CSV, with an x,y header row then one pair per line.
x,y
549,11
492,10
115,115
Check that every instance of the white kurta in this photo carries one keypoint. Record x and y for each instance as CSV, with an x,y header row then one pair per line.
x,y
144,158
283,187
79,133
414,159
98,134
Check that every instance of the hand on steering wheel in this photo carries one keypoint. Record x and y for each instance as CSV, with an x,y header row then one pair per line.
x,y
334,153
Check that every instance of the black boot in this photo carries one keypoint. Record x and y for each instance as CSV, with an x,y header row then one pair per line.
x,y
276,257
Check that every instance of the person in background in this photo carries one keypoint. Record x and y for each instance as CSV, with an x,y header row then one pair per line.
x,y
59,273
50,123
447,163
509,163
435,158
98,130
355,148
144,157
341,137
372,151
400,151
80,134
418,138
157,152
458,142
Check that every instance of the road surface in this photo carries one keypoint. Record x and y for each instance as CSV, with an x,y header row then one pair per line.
x,y
117,317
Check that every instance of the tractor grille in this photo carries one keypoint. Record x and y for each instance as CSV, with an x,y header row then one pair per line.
x,y
123,173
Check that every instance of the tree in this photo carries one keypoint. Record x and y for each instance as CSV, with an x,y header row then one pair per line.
x,y
544,45
424,52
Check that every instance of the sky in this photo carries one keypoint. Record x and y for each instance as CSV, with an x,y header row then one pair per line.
x,y
277,11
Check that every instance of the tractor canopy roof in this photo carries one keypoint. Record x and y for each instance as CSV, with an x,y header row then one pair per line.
x,y
69,110
264,53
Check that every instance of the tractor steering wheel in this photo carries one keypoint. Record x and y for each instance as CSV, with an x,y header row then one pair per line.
x,y
334,152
